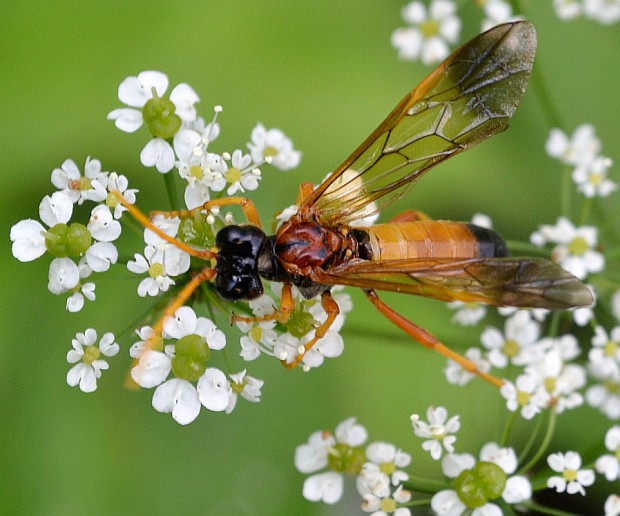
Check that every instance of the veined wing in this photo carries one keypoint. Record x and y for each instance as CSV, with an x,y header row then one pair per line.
x,y
521,282
468,98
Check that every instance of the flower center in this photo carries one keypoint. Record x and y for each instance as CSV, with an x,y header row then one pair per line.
x,y
511,348
196,172
270,152
387,467
570,475
256,333
388,505
611,347
578,246
233,175
156,270
523,398
91,353
429,28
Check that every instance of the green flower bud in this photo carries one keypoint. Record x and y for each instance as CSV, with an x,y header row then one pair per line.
x,y
484,482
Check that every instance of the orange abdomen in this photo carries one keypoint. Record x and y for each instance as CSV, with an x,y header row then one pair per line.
x,y
432,239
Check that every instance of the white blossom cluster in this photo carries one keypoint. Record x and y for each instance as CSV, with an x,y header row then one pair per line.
x,y
181,356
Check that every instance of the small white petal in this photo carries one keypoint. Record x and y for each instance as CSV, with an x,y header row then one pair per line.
x,y
180,398
213,389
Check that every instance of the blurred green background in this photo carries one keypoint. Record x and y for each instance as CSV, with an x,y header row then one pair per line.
x,y
325,73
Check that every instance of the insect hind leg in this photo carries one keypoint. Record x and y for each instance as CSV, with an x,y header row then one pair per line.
x,y
427,340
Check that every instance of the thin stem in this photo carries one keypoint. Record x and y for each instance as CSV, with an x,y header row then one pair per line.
x,y
507,428
424,485
541,509
543,445
172,191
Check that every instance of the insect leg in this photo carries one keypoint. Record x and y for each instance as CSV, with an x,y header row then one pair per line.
x,y
183,295
305,189
246,205
332,310
135,212
282,314
428,340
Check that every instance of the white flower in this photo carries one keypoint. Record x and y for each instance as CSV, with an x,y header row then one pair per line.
x,y
136,92
384,457
604,395
592,180
86,357
567,9
178,397
429,33
91,186
274,147
384,503
448,503
518,343
153,263
604,356
241,176
579,150
245,385
559,379
119,183
313,457
573,479
609,465
605,12
28,235
467,314
527,393
213,389
575,250
496,12
186,322
612,505
438,431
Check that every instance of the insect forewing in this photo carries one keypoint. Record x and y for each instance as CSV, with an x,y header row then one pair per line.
x,y
468,98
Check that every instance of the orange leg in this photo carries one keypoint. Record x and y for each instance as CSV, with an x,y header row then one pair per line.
x,y
305,189
428,340
331,308
281,314
184,294
135,212
247,206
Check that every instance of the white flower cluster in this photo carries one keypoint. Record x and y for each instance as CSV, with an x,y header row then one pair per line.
x,y
178,355
78,249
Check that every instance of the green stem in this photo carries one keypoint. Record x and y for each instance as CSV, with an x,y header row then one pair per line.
x,y
543,445
424,485
565,193
172,191
533,436
507,428
535,508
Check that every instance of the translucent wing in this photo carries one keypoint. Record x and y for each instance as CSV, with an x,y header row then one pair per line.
x,y
521,282
468,98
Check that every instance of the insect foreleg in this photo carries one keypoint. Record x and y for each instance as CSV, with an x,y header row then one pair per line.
x,y
247,207
145,221
428,340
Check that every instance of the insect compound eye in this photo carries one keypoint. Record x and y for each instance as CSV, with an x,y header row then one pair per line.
x,y
237,262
